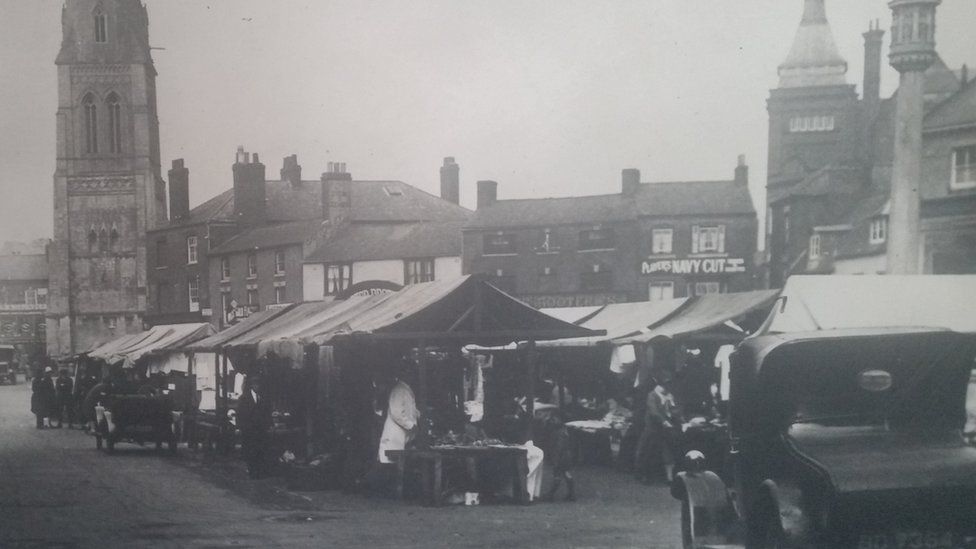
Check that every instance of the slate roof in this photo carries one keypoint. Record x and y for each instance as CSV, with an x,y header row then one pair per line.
x,y
651,199
270,236
23,267
958,110
382,201
370,242
857,242
825,181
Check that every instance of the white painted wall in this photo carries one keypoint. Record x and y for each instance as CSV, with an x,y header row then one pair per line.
x,y
875,264
313,282
447,267
386,269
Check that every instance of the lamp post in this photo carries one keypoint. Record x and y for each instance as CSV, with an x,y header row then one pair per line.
x,y
912,52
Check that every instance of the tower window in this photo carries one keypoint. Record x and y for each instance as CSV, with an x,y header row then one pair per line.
x,y
802,124
101,27
91,124
114,123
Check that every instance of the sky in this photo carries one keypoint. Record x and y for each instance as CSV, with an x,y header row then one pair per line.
x,y
547,97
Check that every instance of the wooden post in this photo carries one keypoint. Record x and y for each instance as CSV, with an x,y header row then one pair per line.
x,y
530,385
224,434
422,439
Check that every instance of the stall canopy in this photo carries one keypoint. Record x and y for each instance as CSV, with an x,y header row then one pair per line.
x,y
218,340
620,320
812,303
574,315
157,340
705,313
466,309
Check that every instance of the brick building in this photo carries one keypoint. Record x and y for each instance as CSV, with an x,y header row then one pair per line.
x,y
650,241
107,186
831,155
23,297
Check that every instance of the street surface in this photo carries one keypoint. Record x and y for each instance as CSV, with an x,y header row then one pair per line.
x,y
57,491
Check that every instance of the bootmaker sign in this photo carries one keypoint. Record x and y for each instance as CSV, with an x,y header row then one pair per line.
x,y
712,265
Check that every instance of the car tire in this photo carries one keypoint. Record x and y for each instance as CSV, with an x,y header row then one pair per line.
x,y
772,536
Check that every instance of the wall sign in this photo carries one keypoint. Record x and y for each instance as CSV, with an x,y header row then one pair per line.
x,y
551,301
369,287
717,265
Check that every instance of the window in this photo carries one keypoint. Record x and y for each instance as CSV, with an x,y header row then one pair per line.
x,y
662,241
193,291
705,288
499,244
708,239
91,124
252,266
879,230
597,238
101,27
280,294
803,124
814,246
548,243
30,296
964,168
279,262
661,290
191,250
597,278
338,277
418,270
253,302
224,268
114,124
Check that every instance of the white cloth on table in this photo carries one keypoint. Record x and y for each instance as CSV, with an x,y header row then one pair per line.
x,y
534,456
401,421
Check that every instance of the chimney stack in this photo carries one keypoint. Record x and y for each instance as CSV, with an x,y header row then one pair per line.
x,y
487,193
291,171
179,190
742,171
873,44
250,209
629,181
336,194
451,181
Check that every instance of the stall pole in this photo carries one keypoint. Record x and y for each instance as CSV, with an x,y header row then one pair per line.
x,y
422,439
221,395
530,385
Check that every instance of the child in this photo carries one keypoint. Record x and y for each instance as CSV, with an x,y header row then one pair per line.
x,y
560,452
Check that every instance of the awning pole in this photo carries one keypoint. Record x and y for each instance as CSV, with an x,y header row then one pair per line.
x,y
422,439
530,385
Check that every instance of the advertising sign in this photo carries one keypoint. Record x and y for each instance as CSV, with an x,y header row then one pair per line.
x,y
694,266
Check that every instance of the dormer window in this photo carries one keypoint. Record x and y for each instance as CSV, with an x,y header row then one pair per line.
x,y
101,27
879,230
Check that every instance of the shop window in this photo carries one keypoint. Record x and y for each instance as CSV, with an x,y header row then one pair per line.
x,y
879,230
193,287
814,246
708,239
597,278
418,270
661,290
662,241
252,266
597,238
279,262
338,277
191,250
225,269
499,244
964,168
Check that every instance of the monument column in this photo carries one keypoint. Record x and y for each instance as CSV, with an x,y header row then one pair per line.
x,y
912,51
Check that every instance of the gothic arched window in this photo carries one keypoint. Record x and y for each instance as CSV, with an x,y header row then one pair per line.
x,y
114,124
101,27
91,124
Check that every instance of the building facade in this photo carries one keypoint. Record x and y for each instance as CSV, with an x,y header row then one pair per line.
x,y
832,155
107,186
23,298
650,241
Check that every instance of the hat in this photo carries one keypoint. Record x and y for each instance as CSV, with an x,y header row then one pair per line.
x,y
48,370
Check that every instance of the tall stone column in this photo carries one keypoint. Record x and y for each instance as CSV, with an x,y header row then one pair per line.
x,y
912,51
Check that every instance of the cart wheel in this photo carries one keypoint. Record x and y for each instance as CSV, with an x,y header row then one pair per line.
x,y
98,442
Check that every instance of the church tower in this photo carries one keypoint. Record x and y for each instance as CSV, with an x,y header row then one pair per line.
x,y
107,185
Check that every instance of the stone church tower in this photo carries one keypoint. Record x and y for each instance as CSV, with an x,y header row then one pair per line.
x,y
107,185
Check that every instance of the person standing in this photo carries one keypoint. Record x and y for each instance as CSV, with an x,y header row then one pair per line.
x,y
656,444
401,421
255,420
65,407
43,398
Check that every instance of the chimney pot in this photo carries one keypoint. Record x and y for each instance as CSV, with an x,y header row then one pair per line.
x,y
487,193
451,181
291,171
179,190
742,171
250,192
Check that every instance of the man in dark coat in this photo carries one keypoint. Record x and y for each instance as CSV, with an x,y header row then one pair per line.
x,y
43,399
65,408
254,417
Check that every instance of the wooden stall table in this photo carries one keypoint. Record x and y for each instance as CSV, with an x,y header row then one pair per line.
x,y
432,459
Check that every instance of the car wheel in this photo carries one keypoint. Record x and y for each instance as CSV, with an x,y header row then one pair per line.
x,y
687,530
772,536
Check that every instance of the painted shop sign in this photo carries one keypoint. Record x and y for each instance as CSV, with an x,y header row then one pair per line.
x,y
716,265
551,301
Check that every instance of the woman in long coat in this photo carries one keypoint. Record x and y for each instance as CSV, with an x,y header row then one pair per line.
x,y
43,397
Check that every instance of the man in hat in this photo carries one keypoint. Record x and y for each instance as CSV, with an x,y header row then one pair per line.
x,y
661,418
65,407
43,399
254,417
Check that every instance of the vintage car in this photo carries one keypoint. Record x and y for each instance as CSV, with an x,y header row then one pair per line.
x,y
8,365
841,438
139,419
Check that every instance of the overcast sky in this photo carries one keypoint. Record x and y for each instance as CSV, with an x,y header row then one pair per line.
x,y
549,98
